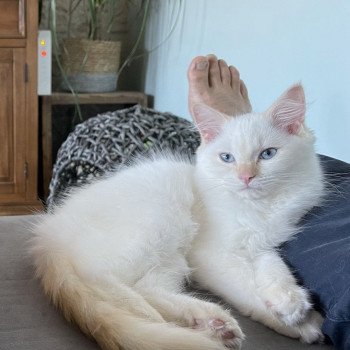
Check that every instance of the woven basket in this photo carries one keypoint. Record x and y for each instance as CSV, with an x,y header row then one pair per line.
x,y
90,65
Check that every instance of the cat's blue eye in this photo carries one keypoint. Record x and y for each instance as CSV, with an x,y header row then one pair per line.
x,y
227,157
268,153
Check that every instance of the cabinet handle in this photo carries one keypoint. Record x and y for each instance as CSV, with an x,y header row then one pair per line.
x,y
26,73
26,170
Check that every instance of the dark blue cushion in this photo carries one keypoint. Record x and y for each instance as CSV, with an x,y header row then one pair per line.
x,y
320,254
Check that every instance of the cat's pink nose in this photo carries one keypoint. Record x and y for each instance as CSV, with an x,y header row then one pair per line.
x,y
246,177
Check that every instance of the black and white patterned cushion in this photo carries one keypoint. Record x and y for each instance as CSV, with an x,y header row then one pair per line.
x,y
102,142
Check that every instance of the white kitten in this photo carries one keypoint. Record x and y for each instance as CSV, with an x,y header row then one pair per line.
x,y
258,174
115,255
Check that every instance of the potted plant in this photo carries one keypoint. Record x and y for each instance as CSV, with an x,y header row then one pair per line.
x,y
90,63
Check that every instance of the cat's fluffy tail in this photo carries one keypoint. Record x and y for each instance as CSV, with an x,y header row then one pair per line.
x,y
111,316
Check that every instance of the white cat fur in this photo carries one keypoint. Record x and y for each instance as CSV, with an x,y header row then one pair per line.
x,y
115,255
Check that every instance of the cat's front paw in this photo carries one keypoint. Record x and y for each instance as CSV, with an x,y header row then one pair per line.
x,y
289,303
310,329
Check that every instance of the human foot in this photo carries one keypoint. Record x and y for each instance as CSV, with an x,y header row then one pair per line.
x,y
213,82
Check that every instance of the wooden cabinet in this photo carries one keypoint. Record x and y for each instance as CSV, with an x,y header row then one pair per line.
x,y
12,130
18,107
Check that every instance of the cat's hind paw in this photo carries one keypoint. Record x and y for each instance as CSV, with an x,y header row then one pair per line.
x,y
228,332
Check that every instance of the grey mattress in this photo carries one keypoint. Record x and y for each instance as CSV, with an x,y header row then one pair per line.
x,y
29,322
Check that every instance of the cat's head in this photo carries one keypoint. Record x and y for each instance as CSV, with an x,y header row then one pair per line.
x,y
256,154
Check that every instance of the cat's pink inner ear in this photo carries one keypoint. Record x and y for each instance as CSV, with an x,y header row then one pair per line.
x,y
209,121
288,112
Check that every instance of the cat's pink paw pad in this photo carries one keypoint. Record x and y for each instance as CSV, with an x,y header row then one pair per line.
x,y
228,332
216,323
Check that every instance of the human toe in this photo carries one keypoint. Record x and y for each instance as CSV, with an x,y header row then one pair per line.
x,y
214,71
225,73
244,93
235,78
198,72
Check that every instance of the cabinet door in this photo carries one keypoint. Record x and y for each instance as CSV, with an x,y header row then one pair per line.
x,y
12,17
12,125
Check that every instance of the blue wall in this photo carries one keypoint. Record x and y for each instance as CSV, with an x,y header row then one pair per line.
x,y
274,43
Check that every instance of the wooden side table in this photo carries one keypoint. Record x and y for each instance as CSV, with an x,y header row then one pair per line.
x,y
61,98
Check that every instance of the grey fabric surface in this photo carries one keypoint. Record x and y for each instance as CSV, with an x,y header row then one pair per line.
x,y
29,322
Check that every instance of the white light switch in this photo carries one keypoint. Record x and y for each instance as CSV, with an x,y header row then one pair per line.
x,y
44,63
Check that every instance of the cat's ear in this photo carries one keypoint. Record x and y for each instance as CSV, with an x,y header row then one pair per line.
x,y
208,121
288,112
